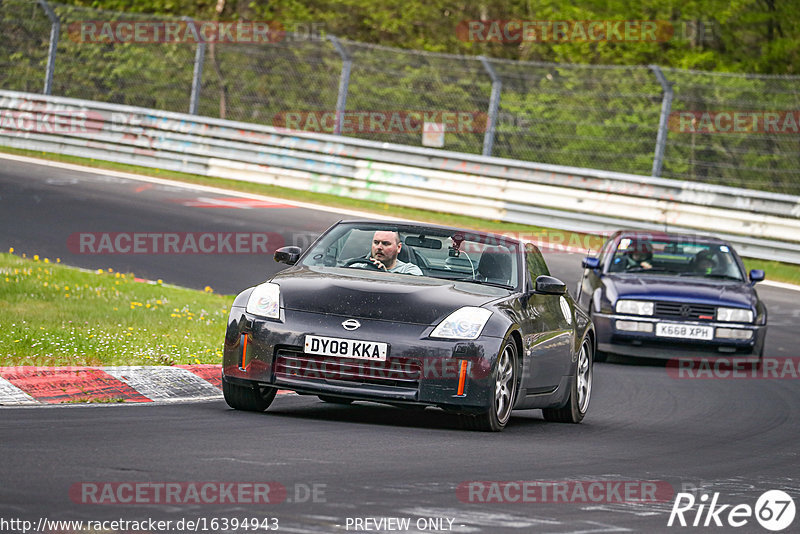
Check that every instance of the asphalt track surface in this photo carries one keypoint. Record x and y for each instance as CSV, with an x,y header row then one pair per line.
x,y
735,437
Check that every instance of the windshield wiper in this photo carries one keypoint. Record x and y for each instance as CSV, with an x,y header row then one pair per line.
x,y
723,277
643,270
482,282
718,276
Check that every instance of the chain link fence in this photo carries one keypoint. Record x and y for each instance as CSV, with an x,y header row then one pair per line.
x,y
617,118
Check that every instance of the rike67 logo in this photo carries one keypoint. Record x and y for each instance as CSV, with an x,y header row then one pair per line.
x,y
774,510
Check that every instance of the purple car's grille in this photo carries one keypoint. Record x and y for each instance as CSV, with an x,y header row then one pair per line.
x,y
679,310
298,365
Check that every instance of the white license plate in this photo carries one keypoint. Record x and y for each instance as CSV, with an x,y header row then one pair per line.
x,y
346,348
686,331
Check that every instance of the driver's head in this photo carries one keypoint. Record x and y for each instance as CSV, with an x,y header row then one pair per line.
x,y
705,259
640,251
386,246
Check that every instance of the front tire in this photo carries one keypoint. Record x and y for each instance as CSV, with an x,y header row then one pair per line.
x,y
504,393
248,398
580,392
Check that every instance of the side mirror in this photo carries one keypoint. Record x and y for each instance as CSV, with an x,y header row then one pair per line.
x,y
757,275
550,286
288,255
591,263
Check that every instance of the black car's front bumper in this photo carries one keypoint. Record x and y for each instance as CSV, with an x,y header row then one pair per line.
x,y
612,339
418,369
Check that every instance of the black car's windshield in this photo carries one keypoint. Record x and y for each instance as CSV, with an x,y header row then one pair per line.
x,y
413,250
675,257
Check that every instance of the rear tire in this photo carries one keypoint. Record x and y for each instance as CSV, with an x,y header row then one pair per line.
x,y
334,400
248,398
504,395
580,393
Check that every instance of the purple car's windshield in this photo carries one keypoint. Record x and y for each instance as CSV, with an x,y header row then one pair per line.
x,y
675,258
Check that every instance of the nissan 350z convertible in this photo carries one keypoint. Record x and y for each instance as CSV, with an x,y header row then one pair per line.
x,y
413,316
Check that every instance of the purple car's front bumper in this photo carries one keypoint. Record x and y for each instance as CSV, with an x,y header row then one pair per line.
x,y
610,338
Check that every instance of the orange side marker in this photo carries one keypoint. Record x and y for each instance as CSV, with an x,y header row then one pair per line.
x,y
462,377
244,351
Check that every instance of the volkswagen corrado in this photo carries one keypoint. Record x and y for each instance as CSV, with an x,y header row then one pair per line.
x,y
670,296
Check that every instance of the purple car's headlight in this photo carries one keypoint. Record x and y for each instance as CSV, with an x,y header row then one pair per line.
x,y
464,323
734,315
265,300
634,307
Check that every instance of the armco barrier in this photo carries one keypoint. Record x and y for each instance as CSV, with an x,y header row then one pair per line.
x,y
761,224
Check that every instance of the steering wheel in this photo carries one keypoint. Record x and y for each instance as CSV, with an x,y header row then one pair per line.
x,y
366,261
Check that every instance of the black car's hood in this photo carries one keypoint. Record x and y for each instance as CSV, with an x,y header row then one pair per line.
x,y
373,295
709,291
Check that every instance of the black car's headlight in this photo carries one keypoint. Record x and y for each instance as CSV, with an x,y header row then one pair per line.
x,y
265,300
464,323
734,315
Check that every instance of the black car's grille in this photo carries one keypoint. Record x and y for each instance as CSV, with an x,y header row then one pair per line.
x,y
679,310
295,365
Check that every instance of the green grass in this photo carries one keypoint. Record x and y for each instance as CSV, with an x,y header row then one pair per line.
x,y
52,315
780,272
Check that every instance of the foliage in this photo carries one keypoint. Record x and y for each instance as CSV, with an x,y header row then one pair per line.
x,y
599,108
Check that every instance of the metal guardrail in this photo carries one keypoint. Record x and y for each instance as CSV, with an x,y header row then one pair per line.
x,y
761,224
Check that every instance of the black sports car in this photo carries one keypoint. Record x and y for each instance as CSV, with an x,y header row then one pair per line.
x,y
413,315
670,296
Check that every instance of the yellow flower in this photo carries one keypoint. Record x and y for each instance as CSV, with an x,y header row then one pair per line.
x,y
159,302
35,257
46,260
208,289
11,250
99,271
159,281
58,260
110,270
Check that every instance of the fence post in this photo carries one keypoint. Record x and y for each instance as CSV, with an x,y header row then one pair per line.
x,y
663,121
197,74
494,104
344,83
55,31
